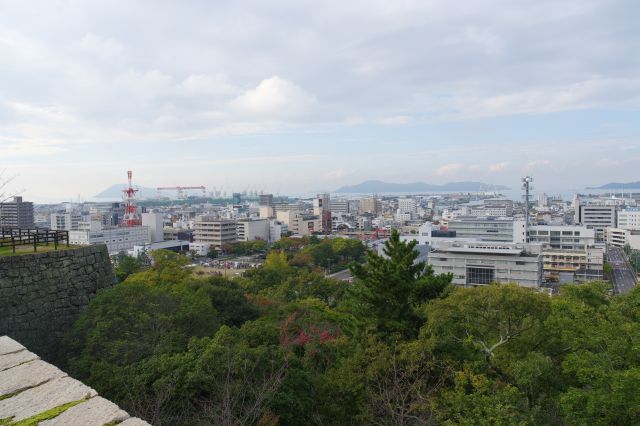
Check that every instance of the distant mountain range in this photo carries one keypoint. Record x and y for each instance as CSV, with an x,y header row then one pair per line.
x,y
618,185
376,186
115,192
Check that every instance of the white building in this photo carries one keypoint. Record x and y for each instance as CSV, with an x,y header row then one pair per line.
x,y
617,237
253,229
565,237
276,230
116,239
155,223
568,266
214,231
176,246
493,208
407,205
597,217
339,206
497,229
201,249
65,221
629,218
482,263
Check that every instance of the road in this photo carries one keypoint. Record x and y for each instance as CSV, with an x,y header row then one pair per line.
x,y
624,278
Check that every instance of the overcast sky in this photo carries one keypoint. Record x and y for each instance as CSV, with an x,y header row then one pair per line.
x,y
296,96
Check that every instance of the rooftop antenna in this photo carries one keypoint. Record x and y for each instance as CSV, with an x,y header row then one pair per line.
x,y
527,187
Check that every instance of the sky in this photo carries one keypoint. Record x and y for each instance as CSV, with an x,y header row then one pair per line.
x,y
294,97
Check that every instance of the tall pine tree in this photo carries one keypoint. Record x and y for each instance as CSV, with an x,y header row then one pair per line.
x,y
388,288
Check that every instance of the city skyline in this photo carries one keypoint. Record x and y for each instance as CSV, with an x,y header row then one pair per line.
x,y
295,98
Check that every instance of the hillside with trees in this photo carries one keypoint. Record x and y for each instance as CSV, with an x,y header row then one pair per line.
x,y
284,345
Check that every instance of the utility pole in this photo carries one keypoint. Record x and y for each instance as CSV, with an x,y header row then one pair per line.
x,y
526,186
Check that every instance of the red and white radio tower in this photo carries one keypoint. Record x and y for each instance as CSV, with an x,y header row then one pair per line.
x,y
131,216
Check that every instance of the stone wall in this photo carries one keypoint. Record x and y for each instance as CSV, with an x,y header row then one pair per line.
x,y
42,294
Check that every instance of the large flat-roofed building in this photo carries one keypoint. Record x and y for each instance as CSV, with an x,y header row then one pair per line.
x,y
253,229
629,218
16,214
482,263
209,229
597,217
564,237
493,208
497,229
116,239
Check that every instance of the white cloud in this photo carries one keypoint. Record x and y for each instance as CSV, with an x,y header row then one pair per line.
x,y
448,169
395,120
274,98
207,84
538,163
336,174
100,47
499,167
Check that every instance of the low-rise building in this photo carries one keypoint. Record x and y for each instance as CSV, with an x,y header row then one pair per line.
x,y
616,237
116,239
496,229
482,263
565,237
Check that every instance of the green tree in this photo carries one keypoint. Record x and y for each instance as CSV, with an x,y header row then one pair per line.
x,y
126,265
388,289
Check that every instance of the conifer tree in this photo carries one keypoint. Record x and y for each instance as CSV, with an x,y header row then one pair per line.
x,y
390,287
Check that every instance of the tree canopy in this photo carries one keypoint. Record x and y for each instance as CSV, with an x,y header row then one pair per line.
x,y
285,345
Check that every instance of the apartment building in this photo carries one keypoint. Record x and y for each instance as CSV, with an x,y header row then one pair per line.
x,y
16,213
567,266
65,221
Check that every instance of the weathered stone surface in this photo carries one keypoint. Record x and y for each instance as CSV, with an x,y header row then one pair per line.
x,y
37,387
16,358
27,375
134,421
41,295
8,345
95,412
45,397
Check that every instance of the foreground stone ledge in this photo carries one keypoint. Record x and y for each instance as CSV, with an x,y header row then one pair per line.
x,y
30,387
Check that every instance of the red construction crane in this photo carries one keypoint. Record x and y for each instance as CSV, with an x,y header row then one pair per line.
x,y
180,189
131,216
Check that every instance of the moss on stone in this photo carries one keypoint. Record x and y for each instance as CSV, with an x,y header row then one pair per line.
x,y
45,415
7,396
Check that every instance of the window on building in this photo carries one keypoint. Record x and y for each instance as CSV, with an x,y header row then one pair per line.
x,y
480,275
